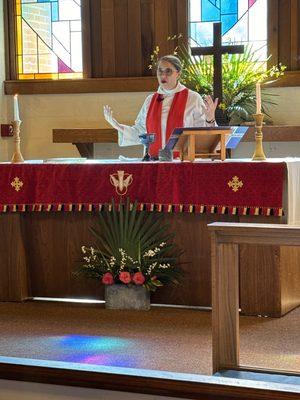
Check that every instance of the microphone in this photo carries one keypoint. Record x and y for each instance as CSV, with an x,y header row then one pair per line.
x,y
160,98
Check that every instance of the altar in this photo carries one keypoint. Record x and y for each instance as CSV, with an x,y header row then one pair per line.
x,y
46,210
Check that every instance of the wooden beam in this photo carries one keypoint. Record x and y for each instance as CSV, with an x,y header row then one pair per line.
x,y
225,304
93,85
159,383
85,136
273,33
86,150
294,34
109,135
275,134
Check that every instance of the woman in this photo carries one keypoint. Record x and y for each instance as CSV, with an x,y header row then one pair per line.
x,y
172,106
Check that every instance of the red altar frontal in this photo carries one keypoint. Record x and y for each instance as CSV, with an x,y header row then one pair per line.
x,y
47,211
222,188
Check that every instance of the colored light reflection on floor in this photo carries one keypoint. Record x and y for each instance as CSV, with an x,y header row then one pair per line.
x,y
97,350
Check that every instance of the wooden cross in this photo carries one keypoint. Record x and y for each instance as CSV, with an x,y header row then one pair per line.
x,y
217,50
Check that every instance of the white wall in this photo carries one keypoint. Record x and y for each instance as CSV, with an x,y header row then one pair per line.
x,y
42,113
5,144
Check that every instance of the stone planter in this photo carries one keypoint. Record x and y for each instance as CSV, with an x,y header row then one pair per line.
x,y
127,297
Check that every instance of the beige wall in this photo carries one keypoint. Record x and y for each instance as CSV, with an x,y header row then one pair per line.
x,y
42,113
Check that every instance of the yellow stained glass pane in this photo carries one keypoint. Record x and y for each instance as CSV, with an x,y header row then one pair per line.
x,y
20,64
26,76
19,35
46,76
29,40
71,75
47,43
30,63
47,63
18,7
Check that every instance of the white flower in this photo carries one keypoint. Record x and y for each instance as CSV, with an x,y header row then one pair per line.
x,y
83,249
151,253
164,266
151,268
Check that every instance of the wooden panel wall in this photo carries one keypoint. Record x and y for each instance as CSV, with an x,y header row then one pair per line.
x,y
123,33
284,33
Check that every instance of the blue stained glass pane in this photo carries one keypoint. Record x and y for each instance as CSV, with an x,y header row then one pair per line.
x,y
228,22
209,12
54,8
229,6
242,21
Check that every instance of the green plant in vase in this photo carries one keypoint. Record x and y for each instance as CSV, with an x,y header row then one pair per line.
x,y
240,73
133,248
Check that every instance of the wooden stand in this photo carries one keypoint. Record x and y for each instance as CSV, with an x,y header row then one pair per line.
x,y
202,143
227,238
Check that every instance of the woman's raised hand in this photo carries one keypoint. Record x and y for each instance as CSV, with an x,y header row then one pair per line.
x,y
108,115
210,108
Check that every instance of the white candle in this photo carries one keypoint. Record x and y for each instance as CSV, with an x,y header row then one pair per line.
x,y
258,99
16,108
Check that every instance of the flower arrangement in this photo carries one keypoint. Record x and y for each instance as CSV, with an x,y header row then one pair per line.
x,y
240,73
133,248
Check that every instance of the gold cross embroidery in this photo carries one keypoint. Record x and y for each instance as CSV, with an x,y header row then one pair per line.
x,y
235,183
17,184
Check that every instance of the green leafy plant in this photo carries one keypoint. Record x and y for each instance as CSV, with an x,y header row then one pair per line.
x,y
240,73
133,247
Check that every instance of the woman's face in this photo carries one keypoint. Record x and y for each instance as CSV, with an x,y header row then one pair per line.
x,y
167,75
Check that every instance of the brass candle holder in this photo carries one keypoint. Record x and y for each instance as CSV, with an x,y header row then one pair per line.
x,y
17,156
259,154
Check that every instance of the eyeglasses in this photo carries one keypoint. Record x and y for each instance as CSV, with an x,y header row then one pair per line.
x,y
166,71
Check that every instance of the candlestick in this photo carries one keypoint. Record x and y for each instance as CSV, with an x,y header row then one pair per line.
x,y
16,108
17,156
259,154
258,99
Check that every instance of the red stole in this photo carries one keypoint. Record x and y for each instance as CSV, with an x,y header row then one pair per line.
x,y
175,118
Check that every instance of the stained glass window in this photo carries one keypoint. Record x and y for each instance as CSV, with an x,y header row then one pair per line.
x,y
243,21
49,44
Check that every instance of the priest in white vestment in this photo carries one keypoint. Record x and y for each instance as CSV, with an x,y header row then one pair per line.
x,y
172,106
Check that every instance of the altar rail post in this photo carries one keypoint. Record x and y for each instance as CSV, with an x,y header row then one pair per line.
x,y
226,238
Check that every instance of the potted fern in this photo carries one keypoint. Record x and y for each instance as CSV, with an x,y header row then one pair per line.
x,y
134,255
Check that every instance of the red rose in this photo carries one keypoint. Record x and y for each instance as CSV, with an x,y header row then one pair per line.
x,y
125,277
107,279
138,278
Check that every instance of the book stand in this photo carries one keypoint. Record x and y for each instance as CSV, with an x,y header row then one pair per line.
x,y
201,142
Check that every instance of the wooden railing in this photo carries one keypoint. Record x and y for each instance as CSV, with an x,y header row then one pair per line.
x,y
226,238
